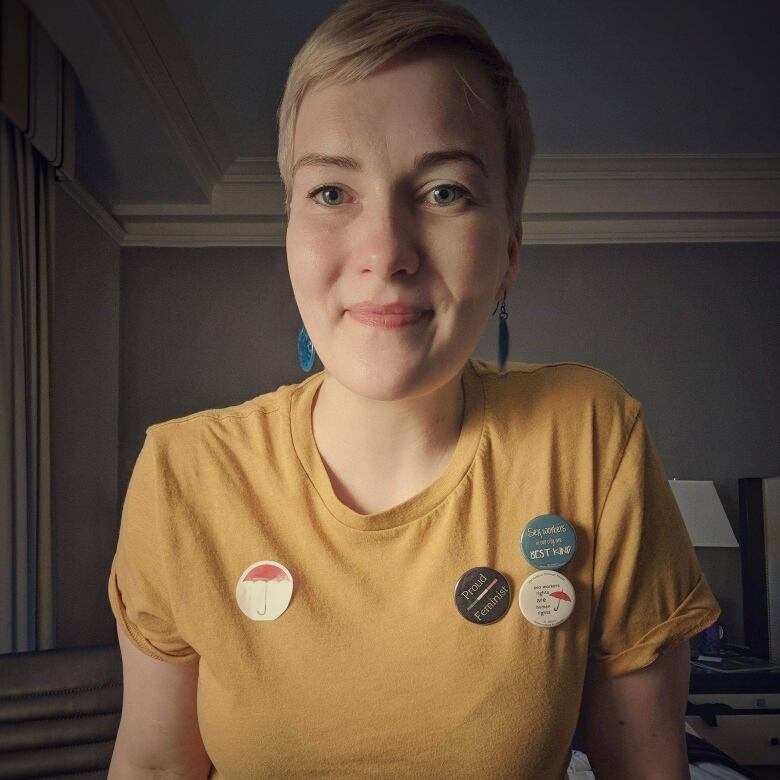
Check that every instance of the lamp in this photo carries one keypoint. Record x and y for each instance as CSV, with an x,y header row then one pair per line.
x,y
703,513
708,526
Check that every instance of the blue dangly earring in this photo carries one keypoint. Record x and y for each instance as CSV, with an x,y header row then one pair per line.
x,y
503,334
306,353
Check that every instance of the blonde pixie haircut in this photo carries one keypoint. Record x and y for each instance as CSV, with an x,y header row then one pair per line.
x,y
362,35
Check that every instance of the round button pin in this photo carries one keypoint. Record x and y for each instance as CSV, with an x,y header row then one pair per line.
x,y
546,598
264,590
548,542
483,595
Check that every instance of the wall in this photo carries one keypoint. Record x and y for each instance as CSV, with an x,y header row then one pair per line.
x,y
691,330
200,328
687,328
85,358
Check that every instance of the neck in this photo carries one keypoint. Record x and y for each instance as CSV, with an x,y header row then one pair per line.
x,y
389,450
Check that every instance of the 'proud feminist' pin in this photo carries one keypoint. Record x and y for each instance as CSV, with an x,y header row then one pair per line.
x,y
483,595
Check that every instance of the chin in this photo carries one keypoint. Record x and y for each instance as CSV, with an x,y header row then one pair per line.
x,y
381,380
390,380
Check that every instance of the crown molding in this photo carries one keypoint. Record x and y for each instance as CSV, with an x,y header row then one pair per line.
x,y
146,35
571,199
93,207
252,170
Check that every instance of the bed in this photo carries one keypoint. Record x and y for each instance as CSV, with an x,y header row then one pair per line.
x,y
706,762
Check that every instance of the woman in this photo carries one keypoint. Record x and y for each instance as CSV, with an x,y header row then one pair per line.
x,y
411,564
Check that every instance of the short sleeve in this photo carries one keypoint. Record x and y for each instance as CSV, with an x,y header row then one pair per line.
x,y
138,587
649,592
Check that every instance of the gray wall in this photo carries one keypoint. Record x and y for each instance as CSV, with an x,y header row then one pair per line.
x,y
691,330
200,328
85,358
609,76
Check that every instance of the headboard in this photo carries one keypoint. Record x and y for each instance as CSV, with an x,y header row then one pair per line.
x,y
759,524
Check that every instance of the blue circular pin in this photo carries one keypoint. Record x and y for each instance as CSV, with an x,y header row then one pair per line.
x,y
548,542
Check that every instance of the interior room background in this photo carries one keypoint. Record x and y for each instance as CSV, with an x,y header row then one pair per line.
x,y
652,223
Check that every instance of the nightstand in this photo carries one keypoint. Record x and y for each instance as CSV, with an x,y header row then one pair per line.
x,y
738,713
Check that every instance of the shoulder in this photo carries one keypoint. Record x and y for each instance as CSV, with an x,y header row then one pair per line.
x,y
556,379
258,419
265,404
558,391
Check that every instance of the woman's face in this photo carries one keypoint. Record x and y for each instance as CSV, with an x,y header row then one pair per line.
x,y
382,214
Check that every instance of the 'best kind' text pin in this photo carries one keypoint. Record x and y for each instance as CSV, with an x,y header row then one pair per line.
x,y
548,542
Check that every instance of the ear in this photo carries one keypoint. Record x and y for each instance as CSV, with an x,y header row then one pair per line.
x,y
513,264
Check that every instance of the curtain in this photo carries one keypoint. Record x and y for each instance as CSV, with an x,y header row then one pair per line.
x,y
26,272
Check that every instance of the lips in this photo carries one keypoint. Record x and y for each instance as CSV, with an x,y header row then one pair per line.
x,y
388,315
387,308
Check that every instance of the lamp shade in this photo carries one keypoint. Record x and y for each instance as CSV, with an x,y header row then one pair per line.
x,y
703,513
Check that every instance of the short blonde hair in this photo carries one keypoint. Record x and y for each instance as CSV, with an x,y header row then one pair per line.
x,y
362,35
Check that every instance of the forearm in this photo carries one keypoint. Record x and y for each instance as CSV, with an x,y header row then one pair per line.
x,y
126,765
123,770
634,725
620,750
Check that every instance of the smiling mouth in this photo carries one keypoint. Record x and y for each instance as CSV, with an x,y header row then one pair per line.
x,y
376,319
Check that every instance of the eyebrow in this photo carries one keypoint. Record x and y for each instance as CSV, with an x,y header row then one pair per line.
x,y
426,160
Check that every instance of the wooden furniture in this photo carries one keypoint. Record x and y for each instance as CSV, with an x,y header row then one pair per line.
x,y
59,712
739,714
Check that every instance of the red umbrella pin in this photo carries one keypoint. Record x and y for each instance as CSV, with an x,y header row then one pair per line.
x,y
561,596
536,594
264,590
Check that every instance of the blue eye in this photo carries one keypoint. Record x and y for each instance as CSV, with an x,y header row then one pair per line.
x,y
326,188
457,192
328,191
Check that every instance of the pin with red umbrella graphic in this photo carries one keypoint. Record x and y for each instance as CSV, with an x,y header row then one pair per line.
x,y
561,596
265,573
267,585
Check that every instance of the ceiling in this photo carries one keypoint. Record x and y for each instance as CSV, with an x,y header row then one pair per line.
x,y
176,111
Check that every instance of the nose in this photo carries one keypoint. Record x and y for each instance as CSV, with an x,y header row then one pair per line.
x,y
387,244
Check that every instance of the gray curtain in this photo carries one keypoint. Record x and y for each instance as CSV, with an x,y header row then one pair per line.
x,y
26,258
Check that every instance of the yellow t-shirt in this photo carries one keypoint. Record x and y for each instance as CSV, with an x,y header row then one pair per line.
x,y
371,671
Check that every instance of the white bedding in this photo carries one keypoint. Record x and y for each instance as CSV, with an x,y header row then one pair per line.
x,y
579,767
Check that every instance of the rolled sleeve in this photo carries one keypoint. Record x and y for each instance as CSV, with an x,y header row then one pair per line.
x,y
138,588
649,592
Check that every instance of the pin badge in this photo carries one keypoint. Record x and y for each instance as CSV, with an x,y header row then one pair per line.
x,y
264,590
483,595
548,542
546,598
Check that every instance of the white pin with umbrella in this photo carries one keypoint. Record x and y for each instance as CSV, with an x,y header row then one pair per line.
x,y
264,590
